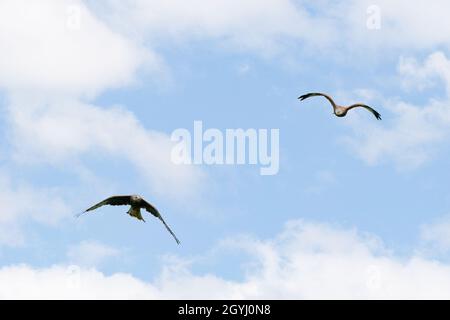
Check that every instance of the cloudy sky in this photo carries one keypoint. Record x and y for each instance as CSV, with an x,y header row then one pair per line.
x,y
91,92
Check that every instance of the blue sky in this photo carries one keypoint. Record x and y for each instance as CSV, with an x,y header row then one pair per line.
x,y
90,95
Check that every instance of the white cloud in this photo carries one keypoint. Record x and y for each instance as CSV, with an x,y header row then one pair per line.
x,y
266,28
91,253
41,52
402,23
305,261
41,48
401,27
243,25
413,132
55,53
60,132
22,203
58,282
435,67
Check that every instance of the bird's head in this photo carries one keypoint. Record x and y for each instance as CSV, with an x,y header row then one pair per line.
x,y
136,197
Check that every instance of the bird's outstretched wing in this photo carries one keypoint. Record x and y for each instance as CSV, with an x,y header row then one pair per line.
x,y
149,208
112,201
313,94
374,112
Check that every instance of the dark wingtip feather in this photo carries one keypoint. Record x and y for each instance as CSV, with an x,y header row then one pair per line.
x,y
168,229
303,97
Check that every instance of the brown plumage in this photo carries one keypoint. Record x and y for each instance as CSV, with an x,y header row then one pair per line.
x,y
136,203
341,111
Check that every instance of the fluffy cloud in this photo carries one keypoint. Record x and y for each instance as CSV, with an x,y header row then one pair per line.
x,y
305,261
57,133
421,75
265,28
410,137
53,55
66,283
58,47
23,203
402,23
243,25
70,47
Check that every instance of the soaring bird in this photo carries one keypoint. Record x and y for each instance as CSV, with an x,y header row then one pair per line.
x,y
137,203
340,111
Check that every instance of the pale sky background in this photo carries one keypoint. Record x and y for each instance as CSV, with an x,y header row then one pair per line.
x,y
90,94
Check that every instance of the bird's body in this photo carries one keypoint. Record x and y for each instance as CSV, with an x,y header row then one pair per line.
x,y
341,111
135,207
136,203
135,212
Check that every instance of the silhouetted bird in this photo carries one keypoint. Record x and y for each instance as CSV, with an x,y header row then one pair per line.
x,y
340,111
137,203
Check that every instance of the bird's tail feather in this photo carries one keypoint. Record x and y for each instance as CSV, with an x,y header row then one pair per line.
x,y
168,229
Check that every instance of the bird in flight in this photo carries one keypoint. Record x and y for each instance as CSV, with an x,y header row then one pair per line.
x,y
136,203
341,111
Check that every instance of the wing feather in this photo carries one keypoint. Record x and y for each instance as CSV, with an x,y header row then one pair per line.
x,y
150,208
313,94
374,112
112,201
